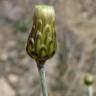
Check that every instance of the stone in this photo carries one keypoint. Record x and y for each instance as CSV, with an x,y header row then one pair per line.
x,y
4,57
13,78
5,89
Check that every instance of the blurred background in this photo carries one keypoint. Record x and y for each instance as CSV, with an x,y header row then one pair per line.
x,y
75,56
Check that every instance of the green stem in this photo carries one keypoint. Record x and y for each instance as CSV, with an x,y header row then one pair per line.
x,y
42,79
90,91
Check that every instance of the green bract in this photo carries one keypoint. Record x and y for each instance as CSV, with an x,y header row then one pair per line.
x,y
41,44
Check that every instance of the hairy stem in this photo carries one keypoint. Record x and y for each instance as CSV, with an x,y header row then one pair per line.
x,y
42,79
90,91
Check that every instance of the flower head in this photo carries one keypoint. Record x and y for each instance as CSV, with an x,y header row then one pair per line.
x,y
88,80
41,44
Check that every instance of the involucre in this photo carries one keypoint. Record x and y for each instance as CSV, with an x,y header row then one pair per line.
x,y
41,43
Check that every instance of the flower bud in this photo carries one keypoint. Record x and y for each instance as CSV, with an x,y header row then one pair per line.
x,y
88,80
41,44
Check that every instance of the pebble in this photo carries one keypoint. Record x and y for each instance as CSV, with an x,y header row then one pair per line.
x,y
5,89
4,57
13,78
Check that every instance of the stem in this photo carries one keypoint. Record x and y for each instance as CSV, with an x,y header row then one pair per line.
x,y
90,91
42,79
